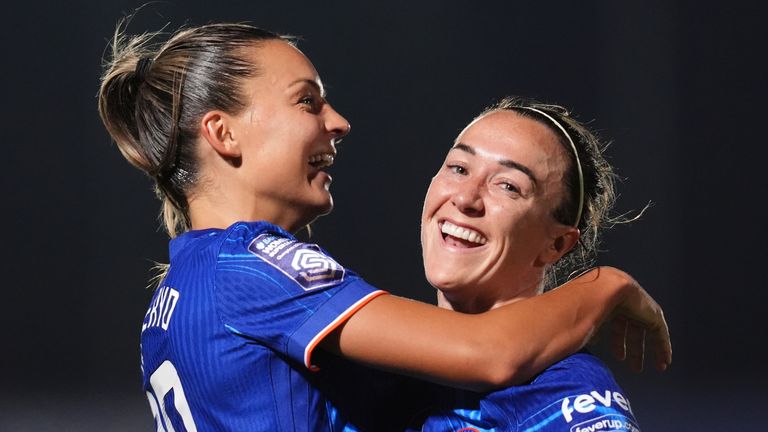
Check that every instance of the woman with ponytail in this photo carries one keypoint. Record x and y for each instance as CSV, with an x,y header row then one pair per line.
x,y
233,125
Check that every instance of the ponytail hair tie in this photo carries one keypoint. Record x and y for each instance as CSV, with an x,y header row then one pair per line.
x,y
142,67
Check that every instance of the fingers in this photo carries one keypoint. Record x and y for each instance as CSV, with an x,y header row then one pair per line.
x,y
662,346
618,329
628,342
635,345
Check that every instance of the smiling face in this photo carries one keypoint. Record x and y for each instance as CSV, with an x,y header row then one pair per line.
x,y
287,136
487,226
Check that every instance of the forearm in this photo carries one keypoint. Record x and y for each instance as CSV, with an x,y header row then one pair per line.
x,y
538,331
505,346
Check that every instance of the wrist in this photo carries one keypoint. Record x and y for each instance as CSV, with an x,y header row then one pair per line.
x,y
614,286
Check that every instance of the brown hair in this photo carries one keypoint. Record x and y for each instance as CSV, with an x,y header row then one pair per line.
x,y
153,95
599,184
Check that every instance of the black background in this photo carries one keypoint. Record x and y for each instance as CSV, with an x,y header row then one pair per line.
x,y
678,87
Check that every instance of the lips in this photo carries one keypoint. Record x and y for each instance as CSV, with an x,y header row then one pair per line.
x,y
318,162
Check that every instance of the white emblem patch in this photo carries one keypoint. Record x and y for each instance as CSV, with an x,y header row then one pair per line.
x,y
305,263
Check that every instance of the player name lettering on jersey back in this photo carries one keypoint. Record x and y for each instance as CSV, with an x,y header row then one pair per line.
x,y
160,311
587,403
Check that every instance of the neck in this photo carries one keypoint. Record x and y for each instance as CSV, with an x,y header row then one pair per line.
x,y
213,210
474,304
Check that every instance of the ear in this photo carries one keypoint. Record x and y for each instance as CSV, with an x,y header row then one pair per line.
x,y
563,239
218,129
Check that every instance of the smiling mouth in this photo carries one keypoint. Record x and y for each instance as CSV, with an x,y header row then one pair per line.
x,y
459,236
322,160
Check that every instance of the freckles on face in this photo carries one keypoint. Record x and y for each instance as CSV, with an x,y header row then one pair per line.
x,y
500,182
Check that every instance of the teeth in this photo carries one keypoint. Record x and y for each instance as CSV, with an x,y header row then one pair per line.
x,y
463,233
321,160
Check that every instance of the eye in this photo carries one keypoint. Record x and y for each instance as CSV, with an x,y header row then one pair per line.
x,y
311,102
457,169
509,187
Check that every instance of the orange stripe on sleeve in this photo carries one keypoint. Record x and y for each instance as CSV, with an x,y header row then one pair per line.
x,y
334,324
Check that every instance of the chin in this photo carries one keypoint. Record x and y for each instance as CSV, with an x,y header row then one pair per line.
x,y
444,282
322,206
325,209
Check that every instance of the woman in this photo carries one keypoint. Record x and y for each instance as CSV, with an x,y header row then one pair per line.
x,y
232,123
523,192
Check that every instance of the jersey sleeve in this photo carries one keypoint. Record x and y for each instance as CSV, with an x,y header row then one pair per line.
x,y
578,394
284,294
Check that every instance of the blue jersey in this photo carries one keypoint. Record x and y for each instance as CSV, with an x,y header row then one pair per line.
x,y
577,394
227,341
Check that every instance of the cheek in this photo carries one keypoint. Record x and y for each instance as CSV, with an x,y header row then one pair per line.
x,y
526,238
516,224
437,193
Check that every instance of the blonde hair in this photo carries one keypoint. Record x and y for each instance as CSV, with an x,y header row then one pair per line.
x,y
153,94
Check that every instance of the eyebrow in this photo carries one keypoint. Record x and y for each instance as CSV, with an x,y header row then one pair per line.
x,y
311,83
503,162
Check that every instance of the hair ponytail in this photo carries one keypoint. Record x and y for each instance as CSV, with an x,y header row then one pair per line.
x,y
153,96
118,94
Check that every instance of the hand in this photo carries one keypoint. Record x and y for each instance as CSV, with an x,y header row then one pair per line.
x,y
639,319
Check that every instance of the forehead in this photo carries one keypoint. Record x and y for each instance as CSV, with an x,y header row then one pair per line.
x,y
280,62
505,134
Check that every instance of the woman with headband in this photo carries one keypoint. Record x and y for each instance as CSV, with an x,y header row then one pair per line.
x,y
233,125
519,203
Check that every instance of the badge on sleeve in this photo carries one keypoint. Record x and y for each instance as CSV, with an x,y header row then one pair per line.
x,y
304,263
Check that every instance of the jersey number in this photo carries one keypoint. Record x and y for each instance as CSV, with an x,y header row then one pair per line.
x,y
163,380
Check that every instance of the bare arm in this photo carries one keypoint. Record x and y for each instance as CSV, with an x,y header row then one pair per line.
x,y
501,347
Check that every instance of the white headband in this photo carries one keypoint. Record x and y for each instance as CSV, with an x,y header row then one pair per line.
x,y
575,153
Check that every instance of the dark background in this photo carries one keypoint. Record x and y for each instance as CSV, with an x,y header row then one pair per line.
x,y
678,87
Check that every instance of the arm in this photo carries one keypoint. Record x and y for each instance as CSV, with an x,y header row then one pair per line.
x,y
501,347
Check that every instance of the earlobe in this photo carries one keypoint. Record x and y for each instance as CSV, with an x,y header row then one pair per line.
x,y
217,129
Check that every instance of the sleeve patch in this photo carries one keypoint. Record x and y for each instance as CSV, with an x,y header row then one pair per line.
x,y
304,263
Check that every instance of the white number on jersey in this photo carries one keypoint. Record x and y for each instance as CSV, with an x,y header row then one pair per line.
x,y
163,380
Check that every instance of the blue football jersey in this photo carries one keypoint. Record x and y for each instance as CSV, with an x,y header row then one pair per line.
x,y
227,341
577,394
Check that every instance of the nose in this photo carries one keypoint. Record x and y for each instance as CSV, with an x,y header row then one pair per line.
x,y
335,123
468,198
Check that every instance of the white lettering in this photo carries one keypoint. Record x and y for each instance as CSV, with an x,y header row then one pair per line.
x,y
161,310
585,403
566,410
605,400
608,424
150,313
158,305
170,305
276,246
621,401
